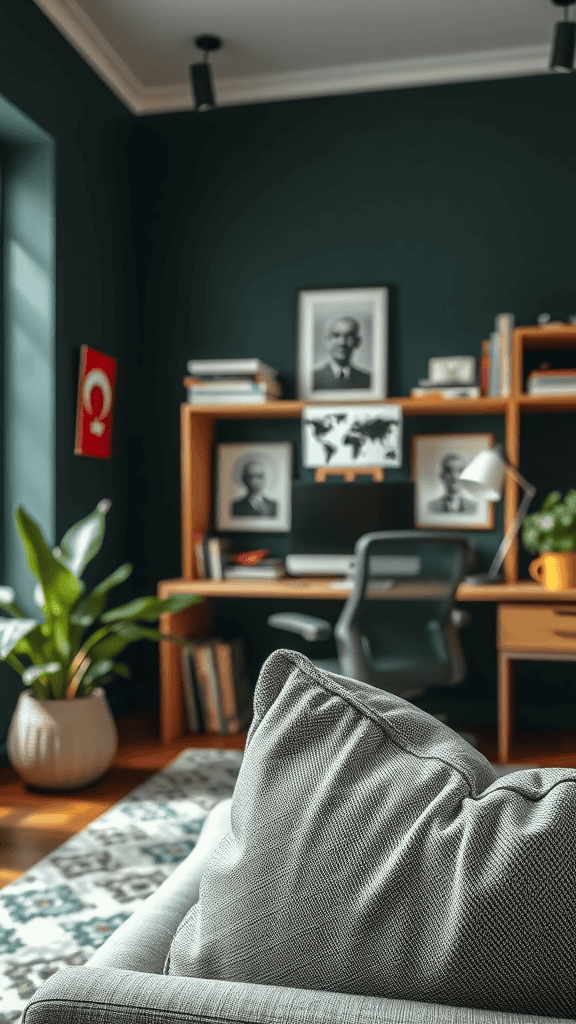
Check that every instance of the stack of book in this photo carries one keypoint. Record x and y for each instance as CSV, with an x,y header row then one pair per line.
x,y
230,382
264,569
551,382
217,694
496,359
211,555
427,390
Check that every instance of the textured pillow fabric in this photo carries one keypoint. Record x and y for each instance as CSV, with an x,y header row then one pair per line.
x,y
373,851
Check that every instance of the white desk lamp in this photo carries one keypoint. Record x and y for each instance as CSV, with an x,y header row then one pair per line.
x,y
484,478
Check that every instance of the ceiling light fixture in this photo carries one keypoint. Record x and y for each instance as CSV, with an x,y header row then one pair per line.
x,y
201,74
564,38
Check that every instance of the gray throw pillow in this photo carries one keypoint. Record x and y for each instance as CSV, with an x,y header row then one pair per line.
x,y
373,851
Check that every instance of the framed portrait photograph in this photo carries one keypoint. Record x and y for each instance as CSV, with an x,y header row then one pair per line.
x,y
253,491
342,344
440,500
352,435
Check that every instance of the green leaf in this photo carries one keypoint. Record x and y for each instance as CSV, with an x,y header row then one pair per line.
x,y
61,588
90,607
83,541
12,631
150,608
553,498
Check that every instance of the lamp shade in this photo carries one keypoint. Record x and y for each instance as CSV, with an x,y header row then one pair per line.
x,y
484,476
201,78
563,49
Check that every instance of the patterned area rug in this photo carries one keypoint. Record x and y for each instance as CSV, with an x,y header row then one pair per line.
x,y
58,913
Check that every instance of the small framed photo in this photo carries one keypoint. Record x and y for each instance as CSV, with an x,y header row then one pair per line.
x,y
254,486
342,344
440,500
352,435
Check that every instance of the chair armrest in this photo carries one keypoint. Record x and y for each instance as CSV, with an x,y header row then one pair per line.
x,y
108,995
307,626
143,941
460,617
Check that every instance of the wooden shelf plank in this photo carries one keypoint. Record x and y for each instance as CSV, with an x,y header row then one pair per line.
x,y
321,588
292,409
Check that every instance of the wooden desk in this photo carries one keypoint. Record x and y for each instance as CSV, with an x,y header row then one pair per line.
x,y
532,623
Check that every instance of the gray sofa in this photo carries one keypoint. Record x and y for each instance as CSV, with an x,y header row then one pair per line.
x,y
124,980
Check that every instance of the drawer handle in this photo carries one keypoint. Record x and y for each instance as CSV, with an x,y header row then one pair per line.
x,y
565,633
568,610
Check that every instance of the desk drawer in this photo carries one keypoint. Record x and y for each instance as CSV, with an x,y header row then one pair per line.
x,y
537,627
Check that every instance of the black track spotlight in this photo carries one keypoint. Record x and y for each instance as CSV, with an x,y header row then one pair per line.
x,y
201,74
562,58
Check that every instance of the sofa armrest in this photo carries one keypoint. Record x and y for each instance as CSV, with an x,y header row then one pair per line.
x,y
110,996
143,941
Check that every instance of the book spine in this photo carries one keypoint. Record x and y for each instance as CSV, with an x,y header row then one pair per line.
x,y
208,688
484,367
504,328
189,690
197,384
216,558
465,391
220,398
243,693
494,379
198,541
230,368
225,671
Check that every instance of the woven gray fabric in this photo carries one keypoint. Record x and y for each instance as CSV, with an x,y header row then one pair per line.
x,y
110,996
373,851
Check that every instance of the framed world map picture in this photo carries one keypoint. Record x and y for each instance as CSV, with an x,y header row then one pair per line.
x,y
352,435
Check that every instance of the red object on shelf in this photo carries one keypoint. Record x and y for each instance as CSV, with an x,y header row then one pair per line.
x,y
96,391
248,557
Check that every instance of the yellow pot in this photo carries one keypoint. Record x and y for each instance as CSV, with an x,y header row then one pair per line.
x,y
555,570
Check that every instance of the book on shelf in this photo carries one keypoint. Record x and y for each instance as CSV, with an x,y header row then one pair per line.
x,y
231,392
265,569
551,382
211,555
235,695
484,367
504,328
494,368
239,368
206,675
217,694
189,690
450,391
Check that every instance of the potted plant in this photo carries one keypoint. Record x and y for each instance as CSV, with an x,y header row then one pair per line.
x,y
551,533
62,734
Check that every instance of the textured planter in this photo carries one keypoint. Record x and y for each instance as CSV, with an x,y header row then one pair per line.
x,y
62,744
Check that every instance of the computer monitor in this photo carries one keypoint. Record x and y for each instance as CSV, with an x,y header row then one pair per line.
x,y
328,519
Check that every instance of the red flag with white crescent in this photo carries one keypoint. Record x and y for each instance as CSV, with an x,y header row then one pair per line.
x,y
96,390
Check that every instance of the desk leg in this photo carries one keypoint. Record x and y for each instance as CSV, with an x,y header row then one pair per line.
x,y
505,708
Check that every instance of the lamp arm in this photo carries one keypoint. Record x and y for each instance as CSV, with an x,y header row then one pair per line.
x,y
529,492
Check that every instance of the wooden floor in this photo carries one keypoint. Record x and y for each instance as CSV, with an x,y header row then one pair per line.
x,y
33,824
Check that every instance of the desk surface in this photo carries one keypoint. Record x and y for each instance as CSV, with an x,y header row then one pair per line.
x,y
314,588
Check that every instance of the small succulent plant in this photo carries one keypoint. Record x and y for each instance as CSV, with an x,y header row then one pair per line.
x,y
553,528
66,657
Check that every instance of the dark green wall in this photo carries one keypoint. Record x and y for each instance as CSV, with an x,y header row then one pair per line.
x,y
190,234
96,278
459,198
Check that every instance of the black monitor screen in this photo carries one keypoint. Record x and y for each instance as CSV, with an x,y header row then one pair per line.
x,y
328,519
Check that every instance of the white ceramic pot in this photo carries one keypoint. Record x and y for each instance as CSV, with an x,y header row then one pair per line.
x,y
62,744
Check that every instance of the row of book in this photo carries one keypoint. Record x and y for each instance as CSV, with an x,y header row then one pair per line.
x,y
215,561
217,695
231,382
496,358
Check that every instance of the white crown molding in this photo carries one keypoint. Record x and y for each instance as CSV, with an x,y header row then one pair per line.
x,y
92,45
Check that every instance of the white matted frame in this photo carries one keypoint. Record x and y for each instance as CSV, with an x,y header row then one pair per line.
x,y
440,501
253,486
356,319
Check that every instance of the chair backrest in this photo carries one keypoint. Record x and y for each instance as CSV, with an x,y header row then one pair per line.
x,y
402,638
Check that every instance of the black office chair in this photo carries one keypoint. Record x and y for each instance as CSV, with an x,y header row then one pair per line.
x,y
398,633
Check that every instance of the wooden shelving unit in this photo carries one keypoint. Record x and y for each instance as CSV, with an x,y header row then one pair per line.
x,y
198,425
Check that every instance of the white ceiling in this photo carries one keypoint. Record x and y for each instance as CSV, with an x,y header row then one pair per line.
x,y
284,49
